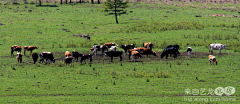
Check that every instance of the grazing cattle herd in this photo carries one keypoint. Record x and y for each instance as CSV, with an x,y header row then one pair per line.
x,y
134,53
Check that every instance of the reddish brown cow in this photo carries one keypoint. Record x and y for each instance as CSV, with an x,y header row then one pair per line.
x,y
142,51
29,48
148,45
15,48
135,55
110,44
67,53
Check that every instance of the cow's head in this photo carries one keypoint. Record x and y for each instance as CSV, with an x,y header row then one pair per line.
x,y
53,60
154,53
91,49
224,46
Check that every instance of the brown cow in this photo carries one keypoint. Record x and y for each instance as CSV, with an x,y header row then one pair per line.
x,y
110,44
212,59
135,55
15,48
148,45
67,53
29,48
142,51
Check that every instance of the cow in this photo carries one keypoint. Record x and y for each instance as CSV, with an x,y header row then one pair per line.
x,y
29,48
46,55
110,44
127,47
142,51
86,56
34,57
170,50
19,57
96,48
135,55
67,53
114,54
189,50
148,45
76,55
216,46
68,60
176,46
113,48
15,48
212,59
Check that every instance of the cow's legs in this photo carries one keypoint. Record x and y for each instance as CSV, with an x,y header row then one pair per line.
x,y
111,58
219,51
120,58
12,53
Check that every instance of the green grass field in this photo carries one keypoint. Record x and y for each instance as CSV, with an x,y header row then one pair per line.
x,y
150,80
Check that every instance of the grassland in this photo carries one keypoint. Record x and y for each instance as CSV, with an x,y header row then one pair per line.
x,y
151,80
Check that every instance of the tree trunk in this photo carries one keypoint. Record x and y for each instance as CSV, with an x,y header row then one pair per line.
x,y
40,2
116,11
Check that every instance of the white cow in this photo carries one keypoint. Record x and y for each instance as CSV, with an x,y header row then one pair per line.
x,y
216,46
113,48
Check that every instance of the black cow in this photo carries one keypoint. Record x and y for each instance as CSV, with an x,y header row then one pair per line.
x,y
127,47
86,56
46,55
34,57
170,50
114,54
175,46
68,60
76,55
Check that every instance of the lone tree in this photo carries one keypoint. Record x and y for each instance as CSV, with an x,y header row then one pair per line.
x,y
115,7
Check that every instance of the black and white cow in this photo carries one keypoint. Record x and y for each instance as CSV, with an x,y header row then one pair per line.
x,y
114,54
19,57
101,48
48,56
68,60
127,47
170,50
216,46
34,57
189,50
86,56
